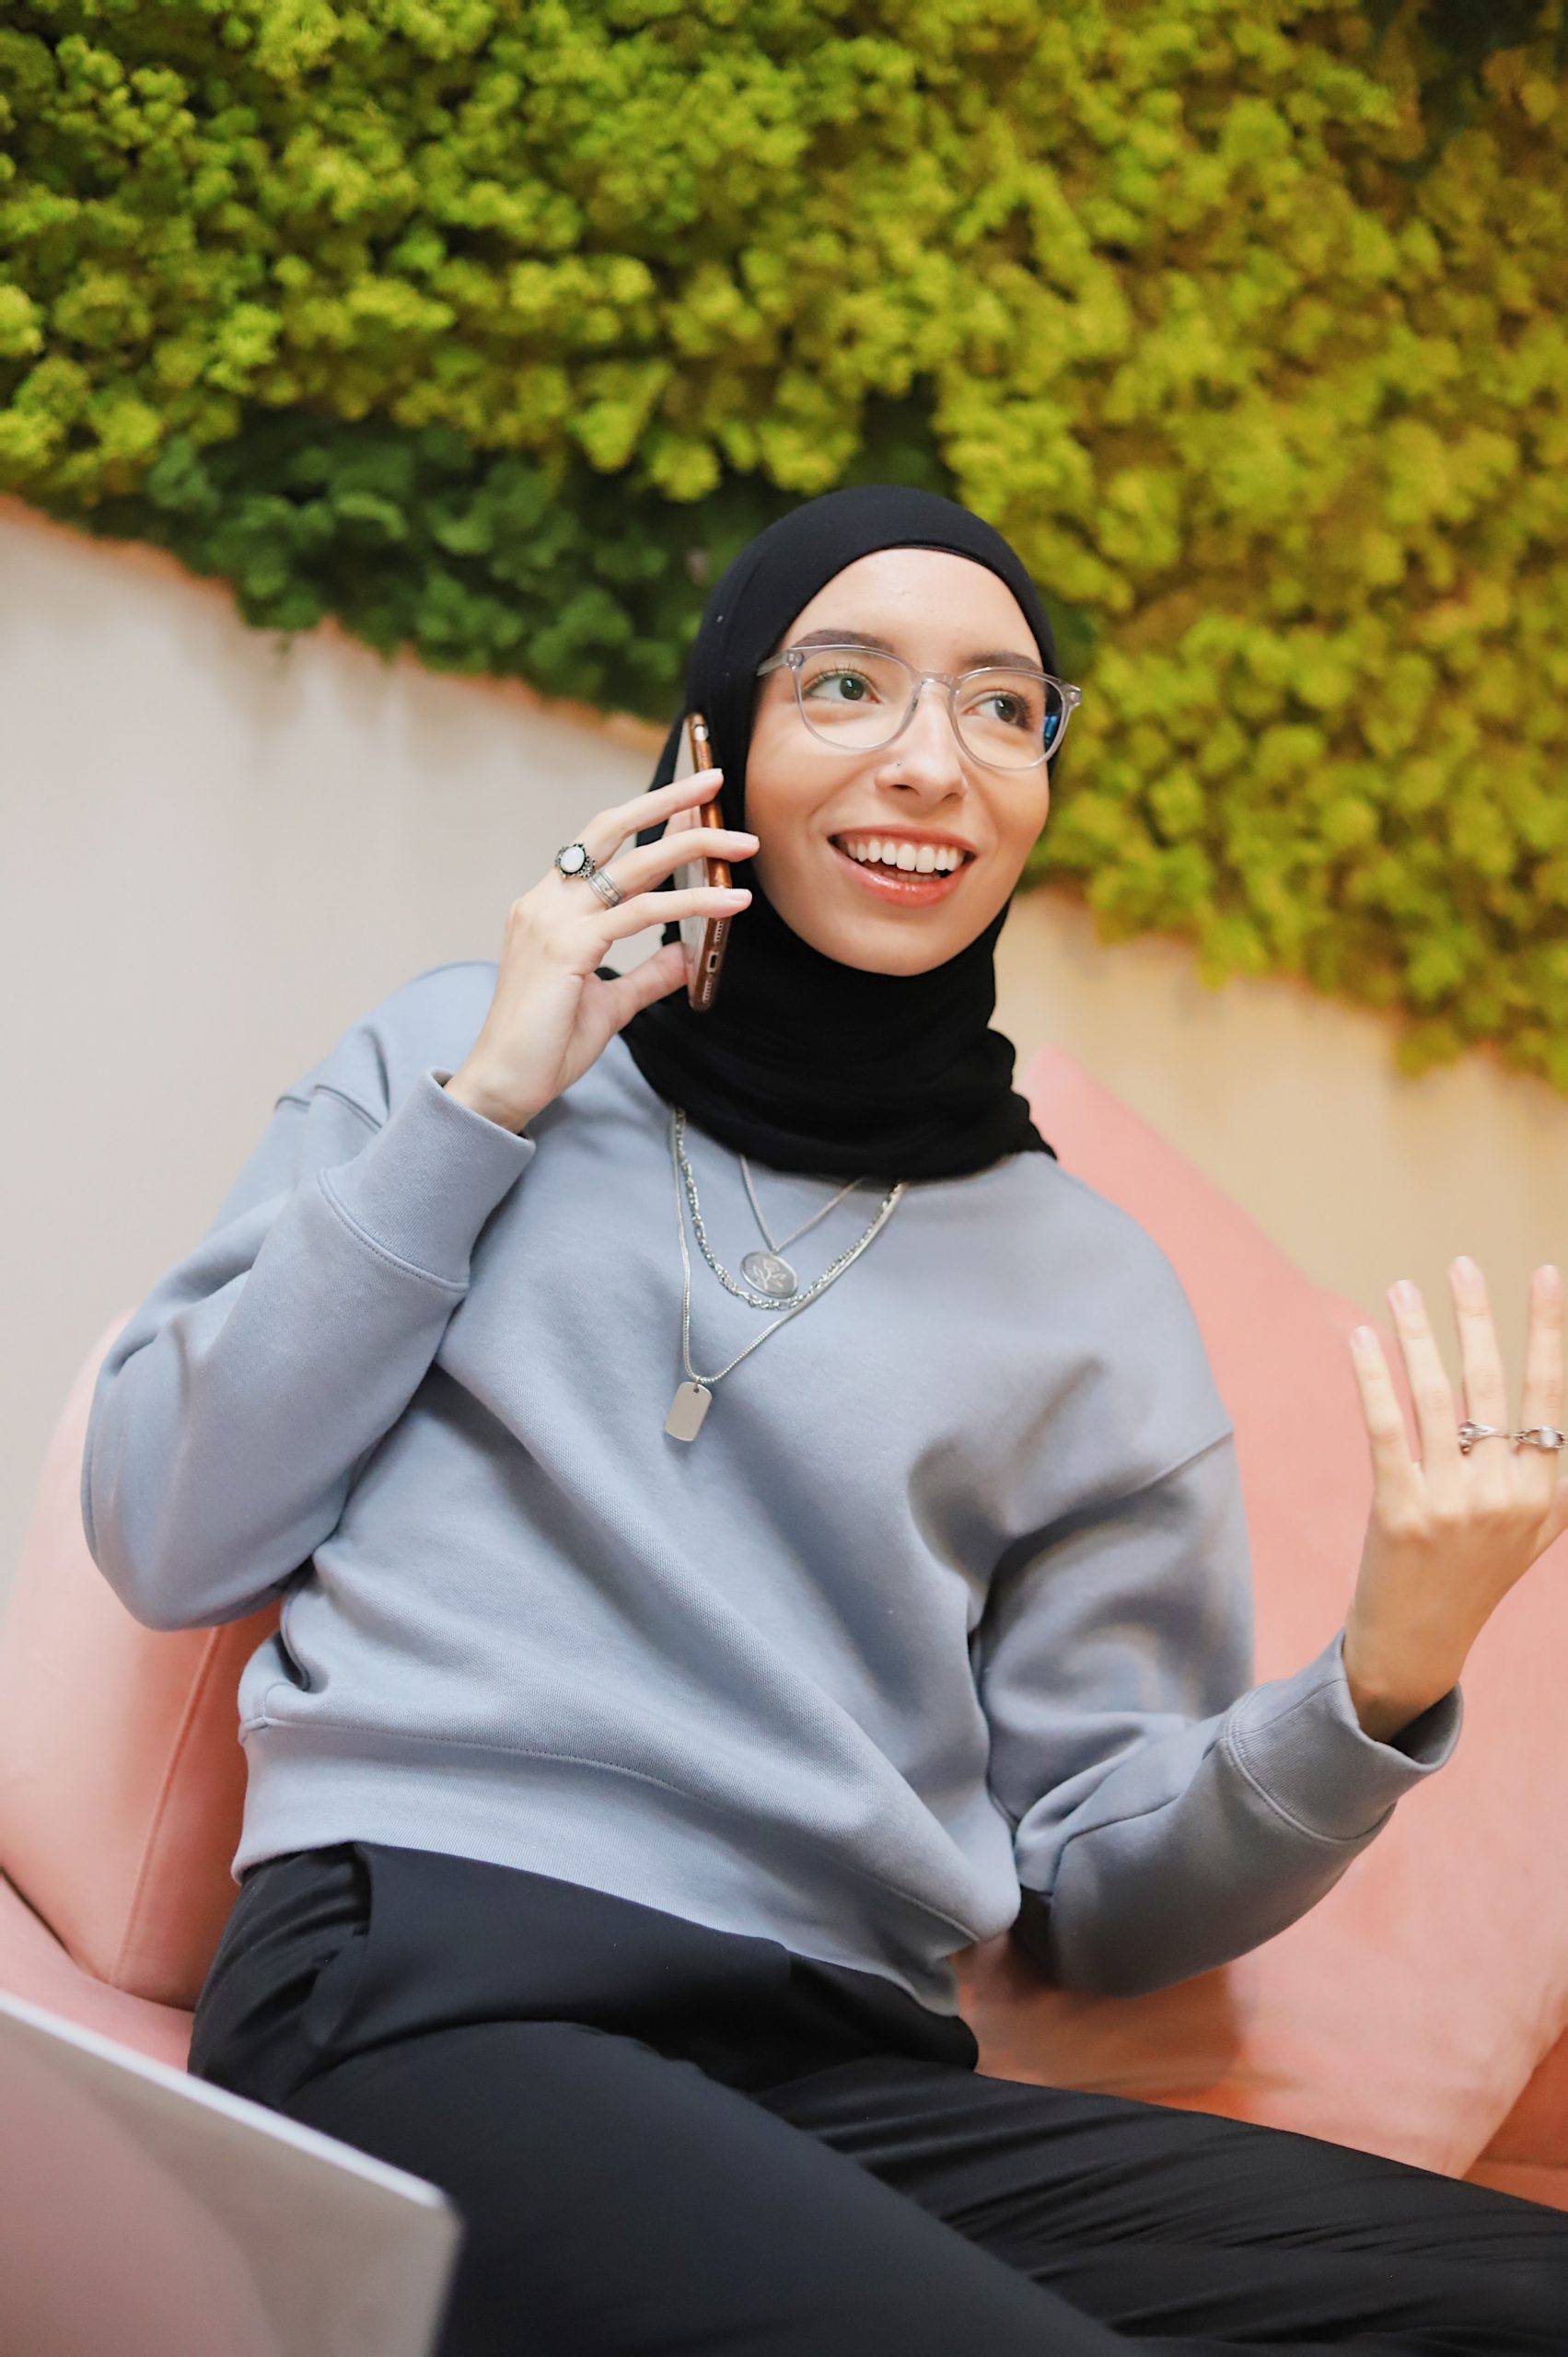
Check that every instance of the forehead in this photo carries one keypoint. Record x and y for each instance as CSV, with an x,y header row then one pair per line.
x,y
928,604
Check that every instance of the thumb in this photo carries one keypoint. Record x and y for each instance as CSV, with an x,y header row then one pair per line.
x,y
655,978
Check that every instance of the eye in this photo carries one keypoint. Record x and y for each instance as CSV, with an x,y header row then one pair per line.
x,y
1012,709
861,686
1010,704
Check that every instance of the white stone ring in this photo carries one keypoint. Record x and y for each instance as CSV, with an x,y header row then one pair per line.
x,y
575,859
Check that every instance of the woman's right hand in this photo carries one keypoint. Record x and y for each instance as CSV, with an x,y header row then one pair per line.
x,y
551,1014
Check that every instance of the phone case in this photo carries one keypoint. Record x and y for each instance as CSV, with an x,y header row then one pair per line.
x,y
705,938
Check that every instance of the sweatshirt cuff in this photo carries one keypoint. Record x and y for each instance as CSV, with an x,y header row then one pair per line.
x,y
1299,1742
428,1180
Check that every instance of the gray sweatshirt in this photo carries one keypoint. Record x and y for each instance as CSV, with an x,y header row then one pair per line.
x,y
941,1625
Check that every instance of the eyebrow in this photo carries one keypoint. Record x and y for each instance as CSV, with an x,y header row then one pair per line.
x,y
867,638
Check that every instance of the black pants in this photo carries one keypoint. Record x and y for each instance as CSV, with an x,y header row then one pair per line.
x,y
662,2138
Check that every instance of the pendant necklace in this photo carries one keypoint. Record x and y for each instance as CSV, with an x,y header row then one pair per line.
x,y
693,1398
768,1271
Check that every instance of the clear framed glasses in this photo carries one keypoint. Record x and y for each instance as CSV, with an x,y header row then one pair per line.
x,y
1005,716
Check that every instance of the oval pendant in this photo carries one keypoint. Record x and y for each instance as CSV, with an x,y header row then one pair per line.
x,y
770,1275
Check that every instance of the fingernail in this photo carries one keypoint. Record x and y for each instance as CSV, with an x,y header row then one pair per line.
x,y
1364,1339
1467,1268
1405,1294
1552,1282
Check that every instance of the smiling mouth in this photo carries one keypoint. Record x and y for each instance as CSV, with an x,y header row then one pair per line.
x,y
903,884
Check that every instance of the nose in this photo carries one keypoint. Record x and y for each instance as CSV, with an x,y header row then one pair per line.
x,y
927,743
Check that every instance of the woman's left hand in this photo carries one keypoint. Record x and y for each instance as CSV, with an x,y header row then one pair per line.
x,y
1450,1536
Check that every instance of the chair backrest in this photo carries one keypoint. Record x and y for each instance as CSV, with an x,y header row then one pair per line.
x,y
122,1780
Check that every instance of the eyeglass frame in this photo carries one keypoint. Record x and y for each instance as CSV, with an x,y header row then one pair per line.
x,y
794,657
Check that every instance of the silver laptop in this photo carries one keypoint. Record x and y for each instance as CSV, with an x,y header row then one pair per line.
x,y
145,2213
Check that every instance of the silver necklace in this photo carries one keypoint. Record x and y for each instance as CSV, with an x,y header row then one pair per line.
x,y
693,1398
779,1300
768,1271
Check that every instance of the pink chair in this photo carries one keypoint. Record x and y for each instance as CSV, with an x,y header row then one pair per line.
x,y
1389,2018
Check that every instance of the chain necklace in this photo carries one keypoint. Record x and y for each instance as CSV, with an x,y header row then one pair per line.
x,y
768,1271
781,1298
693,1398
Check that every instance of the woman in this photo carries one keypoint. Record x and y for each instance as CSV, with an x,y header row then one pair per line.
x,y
671,1678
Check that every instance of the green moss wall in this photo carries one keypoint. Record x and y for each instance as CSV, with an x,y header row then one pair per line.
x,y
494,328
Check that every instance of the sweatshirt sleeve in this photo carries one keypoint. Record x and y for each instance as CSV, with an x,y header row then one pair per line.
x,y
233,1411
1168,1815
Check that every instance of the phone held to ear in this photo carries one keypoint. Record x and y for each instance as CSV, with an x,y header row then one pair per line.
x,y
706,938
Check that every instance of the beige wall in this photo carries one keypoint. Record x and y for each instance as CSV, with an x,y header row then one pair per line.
x,y
219,849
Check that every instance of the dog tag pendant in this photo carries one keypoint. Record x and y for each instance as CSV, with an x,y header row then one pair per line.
x,y
687,1410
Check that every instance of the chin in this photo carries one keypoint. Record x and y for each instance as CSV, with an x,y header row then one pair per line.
x,y
892,941
884,956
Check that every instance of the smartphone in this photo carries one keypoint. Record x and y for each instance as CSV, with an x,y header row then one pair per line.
x,y
706,937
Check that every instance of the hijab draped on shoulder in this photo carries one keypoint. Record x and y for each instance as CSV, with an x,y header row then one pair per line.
x,y
804,1063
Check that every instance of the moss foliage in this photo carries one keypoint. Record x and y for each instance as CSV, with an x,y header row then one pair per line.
x,y
492,329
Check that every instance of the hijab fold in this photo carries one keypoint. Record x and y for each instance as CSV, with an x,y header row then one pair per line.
x,y
804,1063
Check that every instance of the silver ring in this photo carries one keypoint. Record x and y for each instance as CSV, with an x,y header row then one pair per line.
x,y
1534,1436
576,860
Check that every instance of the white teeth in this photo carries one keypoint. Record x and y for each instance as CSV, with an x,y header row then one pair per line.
x,y
922,860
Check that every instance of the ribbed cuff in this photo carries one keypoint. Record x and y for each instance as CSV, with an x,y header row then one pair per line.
x,y
428,1180
1298,1741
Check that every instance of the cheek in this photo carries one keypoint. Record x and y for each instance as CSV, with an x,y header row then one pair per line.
x,y
1025,831
767,766
779,871
782,823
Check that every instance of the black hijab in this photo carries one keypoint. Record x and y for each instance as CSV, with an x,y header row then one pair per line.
x,y
802,1062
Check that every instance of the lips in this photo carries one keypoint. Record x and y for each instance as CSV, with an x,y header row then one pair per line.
x,y
900,885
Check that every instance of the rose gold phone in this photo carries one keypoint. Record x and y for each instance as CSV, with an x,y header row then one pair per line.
x,y
705,937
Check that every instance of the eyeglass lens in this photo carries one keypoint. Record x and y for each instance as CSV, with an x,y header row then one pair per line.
x,y
858,700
